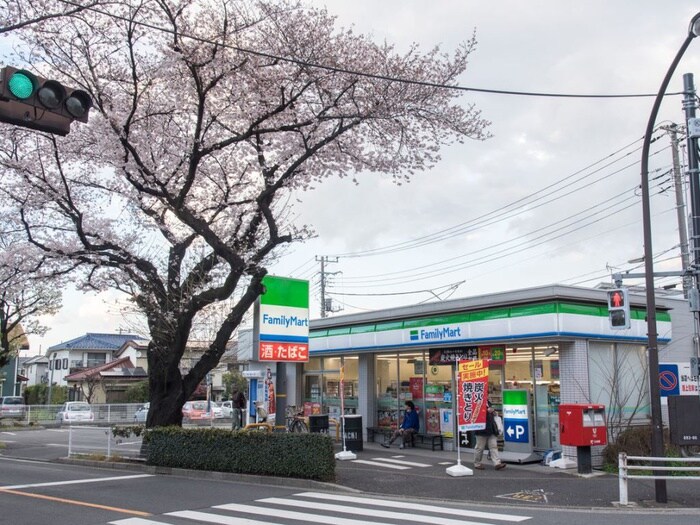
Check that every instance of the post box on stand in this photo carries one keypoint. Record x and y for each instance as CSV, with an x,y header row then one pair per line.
x,y
582,426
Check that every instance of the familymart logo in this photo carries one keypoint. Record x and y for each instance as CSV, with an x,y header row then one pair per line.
x,y
435,334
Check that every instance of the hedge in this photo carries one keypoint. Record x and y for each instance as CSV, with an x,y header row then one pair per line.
x,y
294,455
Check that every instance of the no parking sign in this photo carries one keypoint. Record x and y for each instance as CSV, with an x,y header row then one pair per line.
x,y
669,382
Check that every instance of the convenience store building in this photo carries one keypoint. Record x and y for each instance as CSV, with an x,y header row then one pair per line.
x,y
552,341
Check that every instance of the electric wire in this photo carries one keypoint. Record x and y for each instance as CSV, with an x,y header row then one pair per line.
x,y
365,74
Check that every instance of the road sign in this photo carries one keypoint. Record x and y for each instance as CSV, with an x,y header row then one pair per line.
x,y
516,431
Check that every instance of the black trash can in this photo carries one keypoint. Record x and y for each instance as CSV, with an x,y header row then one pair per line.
x,y
352,432
318,423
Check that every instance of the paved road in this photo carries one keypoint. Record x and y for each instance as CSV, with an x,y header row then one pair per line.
x,y
34,492
421,473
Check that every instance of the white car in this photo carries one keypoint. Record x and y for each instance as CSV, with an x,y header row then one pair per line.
x,y
75,412
227,408
216,411
142,413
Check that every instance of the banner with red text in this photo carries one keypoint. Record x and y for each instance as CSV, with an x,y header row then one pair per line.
x,y
472,388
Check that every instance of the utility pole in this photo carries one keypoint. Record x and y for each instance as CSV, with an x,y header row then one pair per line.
x,y
680,210
693,127
323,260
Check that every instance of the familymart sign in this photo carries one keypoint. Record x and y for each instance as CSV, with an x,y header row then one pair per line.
x,y
283,320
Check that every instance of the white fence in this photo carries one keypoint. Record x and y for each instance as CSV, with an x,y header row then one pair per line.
x,y
624,468
98,441
121,413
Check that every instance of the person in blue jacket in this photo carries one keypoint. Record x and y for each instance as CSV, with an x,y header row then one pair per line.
x,y
409,425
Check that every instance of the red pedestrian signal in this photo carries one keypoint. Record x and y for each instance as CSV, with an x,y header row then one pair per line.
x,y
618,309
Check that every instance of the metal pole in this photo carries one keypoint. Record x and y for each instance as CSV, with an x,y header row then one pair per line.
x,y
622,478
657,436
680,210
689,107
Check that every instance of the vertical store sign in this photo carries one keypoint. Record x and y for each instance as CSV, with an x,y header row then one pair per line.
x,y
516,416
283,320
472,384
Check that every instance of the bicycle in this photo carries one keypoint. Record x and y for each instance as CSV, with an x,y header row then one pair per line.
x,y
295,420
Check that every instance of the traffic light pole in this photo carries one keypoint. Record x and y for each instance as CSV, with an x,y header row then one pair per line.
x,y
657,436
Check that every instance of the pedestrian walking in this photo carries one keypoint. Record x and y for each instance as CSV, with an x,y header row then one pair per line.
x,y
488,438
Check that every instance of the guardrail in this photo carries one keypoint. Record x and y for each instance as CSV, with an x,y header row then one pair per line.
x,y
624,467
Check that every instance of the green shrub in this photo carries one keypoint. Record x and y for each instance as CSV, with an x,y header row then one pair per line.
x,y
294,455
636,441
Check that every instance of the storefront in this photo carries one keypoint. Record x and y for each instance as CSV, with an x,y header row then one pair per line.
x,y
553,342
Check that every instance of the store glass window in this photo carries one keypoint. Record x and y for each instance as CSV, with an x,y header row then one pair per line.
x,y
536,369
438,399
618,380
322,381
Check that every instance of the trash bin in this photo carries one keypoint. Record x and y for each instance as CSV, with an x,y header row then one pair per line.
x,y
352,432
318,423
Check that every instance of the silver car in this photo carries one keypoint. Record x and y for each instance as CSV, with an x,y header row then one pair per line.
x,y
142,413
75,412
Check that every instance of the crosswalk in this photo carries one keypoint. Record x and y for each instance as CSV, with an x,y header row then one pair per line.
x,y
326,508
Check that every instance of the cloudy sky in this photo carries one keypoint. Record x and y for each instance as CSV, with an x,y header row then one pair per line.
x,y
552,197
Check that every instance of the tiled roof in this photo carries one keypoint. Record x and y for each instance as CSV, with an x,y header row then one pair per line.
x,y
91,341
124,362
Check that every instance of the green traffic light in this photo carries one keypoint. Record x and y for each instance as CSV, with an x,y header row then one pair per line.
x,y
22,84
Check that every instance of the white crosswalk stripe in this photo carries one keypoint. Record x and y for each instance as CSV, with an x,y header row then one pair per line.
x,y
331,509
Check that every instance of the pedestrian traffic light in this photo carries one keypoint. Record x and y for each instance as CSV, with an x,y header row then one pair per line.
x,y
619,309
37,103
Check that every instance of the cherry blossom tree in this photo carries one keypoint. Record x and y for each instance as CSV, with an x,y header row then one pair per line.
x,y
208,115
28,291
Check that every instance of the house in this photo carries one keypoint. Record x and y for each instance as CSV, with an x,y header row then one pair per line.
x,y
36,369
87,351
106,383
12,379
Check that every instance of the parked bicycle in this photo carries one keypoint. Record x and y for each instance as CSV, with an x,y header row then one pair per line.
x,y
295,420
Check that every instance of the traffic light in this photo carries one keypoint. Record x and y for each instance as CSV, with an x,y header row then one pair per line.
x,y
619,309
45,105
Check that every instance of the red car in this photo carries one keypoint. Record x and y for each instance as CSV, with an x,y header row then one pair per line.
x,y
194,411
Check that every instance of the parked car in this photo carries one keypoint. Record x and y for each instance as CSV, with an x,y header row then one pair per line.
x,y
142,413
75,412
194,411
227,408
12,407
216,411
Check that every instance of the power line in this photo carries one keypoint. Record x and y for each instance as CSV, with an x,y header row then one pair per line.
x,y
509,210
365,74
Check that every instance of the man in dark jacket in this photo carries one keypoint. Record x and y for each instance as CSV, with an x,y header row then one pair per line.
x,y
238,402
410,425
488,437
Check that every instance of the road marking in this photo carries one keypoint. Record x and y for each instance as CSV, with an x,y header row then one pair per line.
x,y
376,464
292,515
75,502
204,517
10,433
75,482
136,521
405,505
402,462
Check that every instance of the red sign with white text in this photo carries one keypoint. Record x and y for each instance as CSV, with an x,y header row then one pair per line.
x,y
472,385
295,352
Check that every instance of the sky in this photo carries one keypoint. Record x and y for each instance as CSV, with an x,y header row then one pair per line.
x,y
552,198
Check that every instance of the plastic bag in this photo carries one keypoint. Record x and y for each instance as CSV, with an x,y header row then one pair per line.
x,y
499,424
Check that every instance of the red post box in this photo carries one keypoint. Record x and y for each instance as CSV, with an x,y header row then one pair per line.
x,y
582,425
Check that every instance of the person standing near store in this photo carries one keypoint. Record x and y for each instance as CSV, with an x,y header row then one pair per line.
x,y
488,438
409,425
238,406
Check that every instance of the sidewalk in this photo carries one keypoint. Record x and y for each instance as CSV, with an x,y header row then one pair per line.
x,y
530,484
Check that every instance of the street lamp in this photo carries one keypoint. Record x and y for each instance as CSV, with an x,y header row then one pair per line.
x,y
657,436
